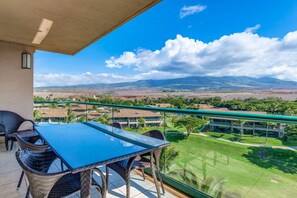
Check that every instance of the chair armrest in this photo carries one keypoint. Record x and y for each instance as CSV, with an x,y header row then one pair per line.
x,y
97,170
33,123
26,145
5,130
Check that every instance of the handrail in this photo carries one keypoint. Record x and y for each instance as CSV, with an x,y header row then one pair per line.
x,y
219,114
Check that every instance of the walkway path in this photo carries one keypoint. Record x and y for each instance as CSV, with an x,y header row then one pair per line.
x,y
293,148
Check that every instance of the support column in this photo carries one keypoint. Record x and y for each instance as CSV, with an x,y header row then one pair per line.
x,y
16,84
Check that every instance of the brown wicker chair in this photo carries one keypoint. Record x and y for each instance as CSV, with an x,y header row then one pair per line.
x,y
28,144
124,167
116,125
51,185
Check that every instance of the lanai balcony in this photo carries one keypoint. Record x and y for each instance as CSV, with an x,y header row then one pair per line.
x,y
68,27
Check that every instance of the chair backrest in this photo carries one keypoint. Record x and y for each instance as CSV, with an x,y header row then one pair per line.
x,y
27,145
10,120
116,124
158,135
155,134
36,165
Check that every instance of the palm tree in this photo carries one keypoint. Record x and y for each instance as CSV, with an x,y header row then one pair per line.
x,y
70,116
273,108
287,110
104,119
67,105
267,129
242,122
164,117
36,115
209,185
141,122
81,118
167,158
53,106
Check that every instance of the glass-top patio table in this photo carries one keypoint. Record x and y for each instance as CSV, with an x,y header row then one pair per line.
x,y
84,146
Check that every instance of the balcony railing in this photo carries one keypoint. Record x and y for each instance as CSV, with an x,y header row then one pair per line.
x,y
233,165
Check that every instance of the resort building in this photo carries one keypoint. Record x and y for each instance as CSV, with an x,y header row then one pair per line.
x,y
217,124
52,115
130,118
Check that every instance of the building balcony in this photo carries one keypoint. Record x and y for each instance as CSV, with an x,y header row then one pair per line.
x,y
193,166
232,168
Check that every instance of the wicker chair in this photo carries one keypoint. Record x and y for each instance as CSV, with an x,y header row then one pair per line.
x,y
116,125
28,144
51,185
10,123
124,167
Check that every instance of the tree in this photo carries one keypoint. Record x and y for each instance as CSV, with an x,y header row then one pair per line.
x,y
104,119
36,115
273,108
53,106
68,105
241,122
267,129
141,122
70,116
191,123
164,117
82,118
39,99
168,155
209,185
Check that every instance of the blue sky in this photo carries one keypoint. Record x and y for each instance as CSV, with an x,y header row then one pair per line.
x,y
178,38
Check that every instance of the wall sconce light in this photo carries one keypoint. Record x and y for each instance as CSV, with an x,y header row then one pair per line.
x,y
26,61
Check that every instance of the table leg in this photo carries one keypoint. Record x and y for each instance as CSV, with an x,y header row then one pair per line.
x,y
154,174
85,183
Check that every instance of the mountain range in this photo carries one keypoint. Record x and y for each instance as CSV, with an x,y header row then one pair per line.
x,y
195,83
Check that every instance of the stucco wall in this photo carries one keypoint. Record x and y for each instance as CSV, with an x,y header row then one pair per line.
x,y
16,84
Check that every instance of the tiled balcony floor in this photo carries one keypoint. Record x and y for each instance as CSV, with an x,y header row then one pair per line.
x,y
10,173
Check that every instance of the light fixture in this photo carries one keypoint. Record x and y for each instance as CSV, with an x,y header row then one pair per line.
x,y
42,32
26,61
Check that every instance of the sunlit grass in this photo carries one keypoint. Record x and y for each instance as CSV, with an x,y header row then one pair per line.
x,y
250,139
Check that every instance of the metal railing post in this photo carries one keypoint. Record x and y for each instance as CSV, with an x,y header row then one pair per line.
x,y
86,113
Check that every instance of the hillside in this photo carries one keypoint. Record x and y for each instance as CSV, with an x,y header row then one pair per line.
x,y
197,83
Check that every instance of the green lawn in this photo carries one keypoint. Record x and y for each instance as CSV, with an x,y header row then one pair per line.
x,y
241,168
251,139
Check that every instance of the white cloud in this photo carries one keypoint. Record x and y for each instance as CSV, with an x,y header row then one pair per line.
x,y
238,54
127,58
252,29
189,10
57,79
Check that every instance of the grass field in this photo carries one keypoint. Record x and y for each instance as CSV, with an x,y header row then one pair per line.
x,y
251,139
240,170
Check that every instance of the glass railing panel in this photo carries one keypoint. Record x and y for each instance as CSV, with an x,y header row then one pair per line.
x,y
222,161
228,169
